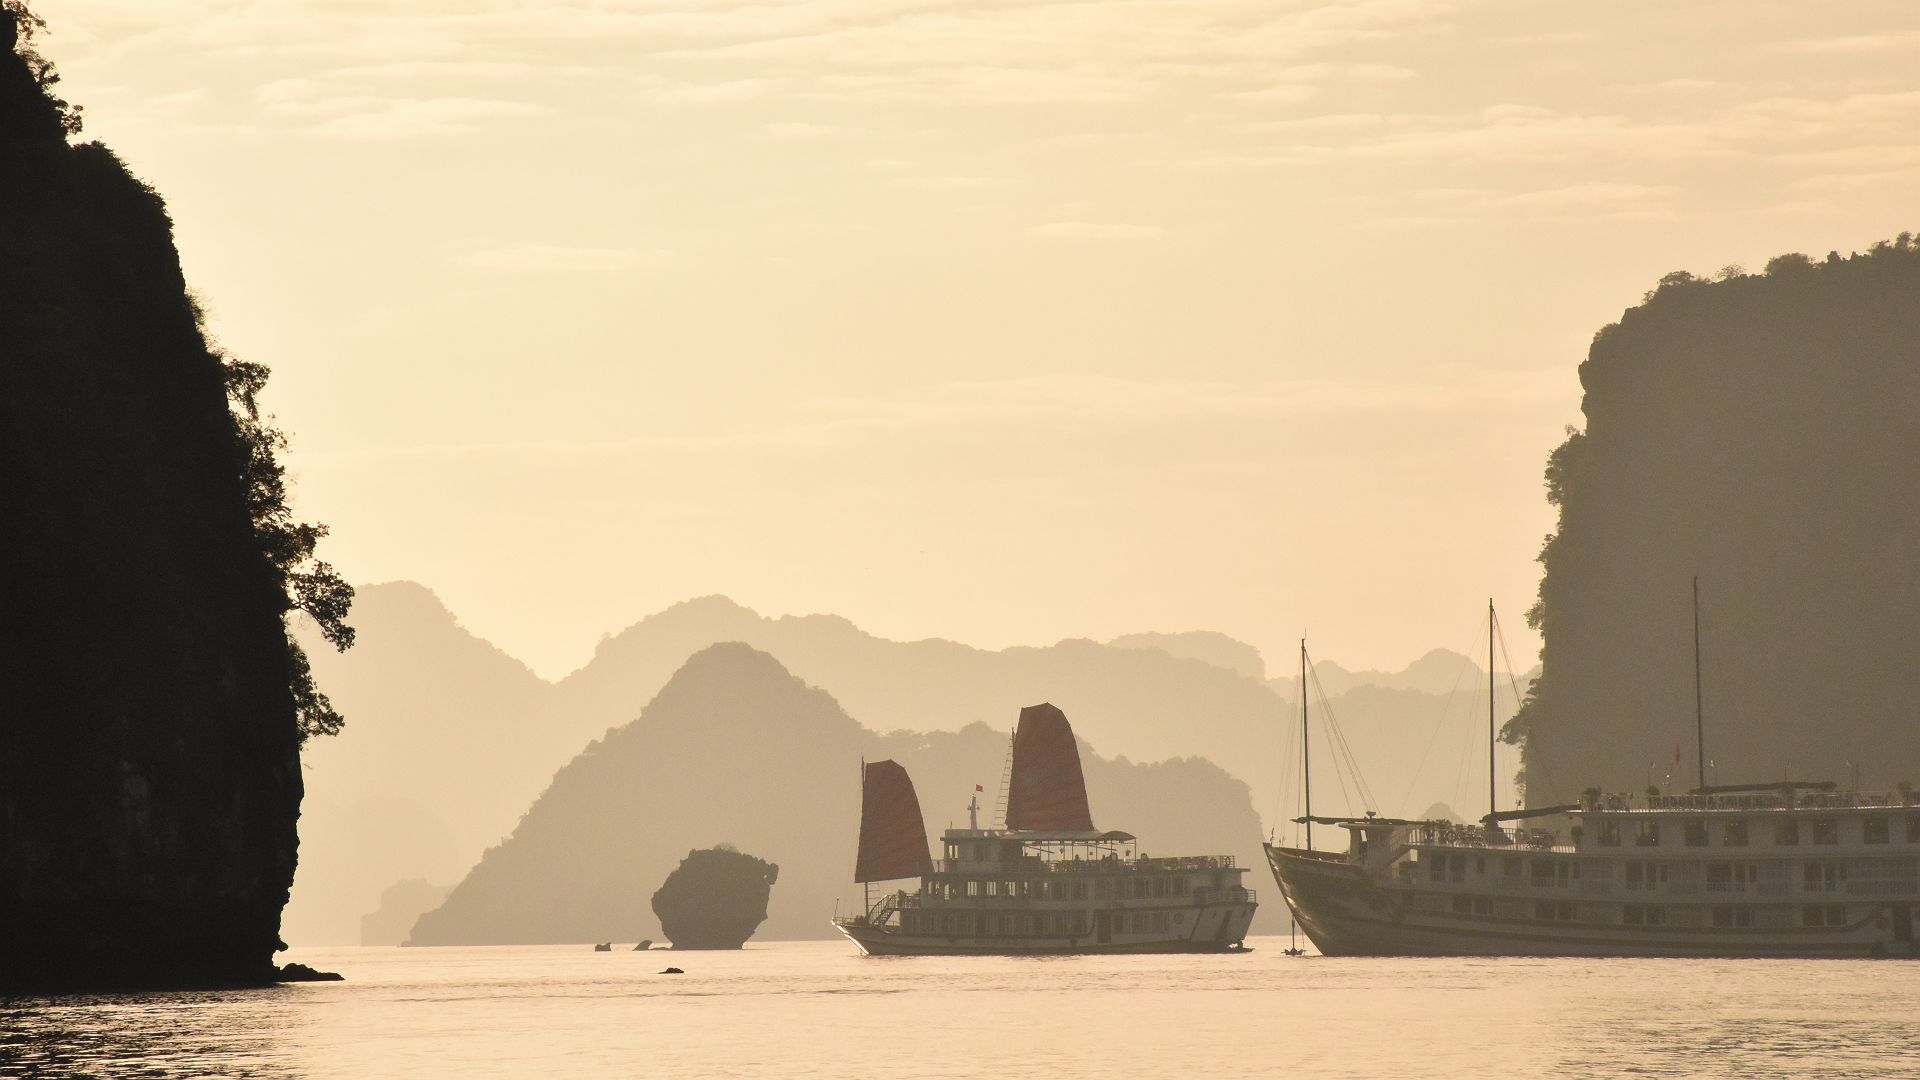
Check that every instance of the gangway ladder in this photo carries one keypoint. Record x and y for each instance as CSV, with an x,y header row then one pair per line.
x,y
1006,786
880,912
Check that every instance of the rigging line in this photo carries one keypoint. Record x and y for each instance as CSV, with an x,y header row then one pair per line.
x,y
1340,741
1446,715
1361,787
1537,761
1331,724
1285,787
1500,633
1339,774
1460,792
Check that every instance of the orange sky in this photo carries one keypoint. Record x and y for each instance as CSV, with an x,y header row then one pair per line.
x,y
1000,321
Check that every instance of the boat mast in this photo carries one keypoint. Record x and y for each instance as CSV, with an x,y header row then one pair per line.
x,y
1493,804
1699,723
866,887
1306,751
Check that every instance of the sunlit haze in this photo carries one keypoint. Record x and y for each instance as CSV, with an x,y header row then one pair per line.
x,y
1002,322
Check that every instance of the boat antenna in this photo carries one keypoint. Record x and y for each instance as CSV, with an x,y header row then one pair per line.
x,y
1699,721
1493,804
1306,748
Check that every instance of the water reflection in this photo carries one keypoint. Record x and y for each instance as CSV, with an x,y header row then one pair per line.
x,y
231,1033
813,1009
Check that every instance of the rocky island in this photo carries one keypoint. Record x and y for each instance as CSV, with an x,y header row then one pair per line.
x,y
715,899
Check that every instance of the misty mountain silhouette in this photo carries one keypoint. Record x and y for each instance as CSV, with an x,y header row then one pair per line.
x,y
1758,431
468,737
453,747
735,749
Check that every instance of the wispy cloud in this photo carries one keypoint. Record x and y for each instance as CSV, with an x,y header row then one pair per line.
x,y
553,259
1097,230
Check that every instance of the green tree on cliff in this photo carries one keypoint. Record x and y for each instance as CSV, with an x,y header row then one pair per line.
x,y
285,544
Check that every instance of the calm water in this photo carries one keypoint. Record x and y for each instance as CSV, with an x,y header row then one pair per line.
x,y
807,1009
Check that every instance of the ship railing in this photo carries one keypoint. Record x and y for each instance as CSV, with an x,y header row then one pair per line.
x,y
1203,897
1144,865
1764,800
1447,834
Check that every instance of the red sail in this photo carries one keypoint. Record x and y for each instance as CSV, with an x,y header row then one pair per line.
x,y
893,838
1046,792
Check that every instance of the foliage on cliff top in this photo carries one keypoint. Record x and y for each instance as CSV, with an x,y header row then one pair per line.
x,y
284,544
1755,430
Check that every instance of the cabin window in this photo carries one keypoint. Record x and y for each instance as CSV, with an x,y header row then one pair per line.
x,y
1039,926
953,850
1826,830
1483,905
1159,886
1609,833
1696,834
1874,829
1731,876
1734,833
1734,915
1646,875
1823,876
1823,915
1556,910
1648,836
1479,864
1180,886
1786,833
1913,828
1463,905
1644,915
1079,890
1510,865
1437,868
973,888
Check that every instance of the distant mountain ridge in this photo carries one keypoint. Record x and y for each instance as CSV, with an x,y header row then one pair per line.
x,y
454,739
736,749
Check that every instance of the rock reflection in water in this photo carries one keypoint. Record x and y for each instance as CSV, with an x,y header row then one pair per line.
x,y
237,1033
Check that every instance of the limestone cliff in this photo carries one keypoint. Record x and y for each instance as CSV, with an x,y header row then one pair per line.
x,y
149,738
1758,431
715,899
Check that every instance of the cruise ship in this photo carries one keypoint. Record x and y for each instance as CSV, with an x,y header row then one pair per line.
x,y
1781,869
1049,882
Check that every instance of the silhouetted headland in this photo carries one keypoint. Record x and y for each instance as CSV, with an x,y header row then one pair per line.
x,y
715,899
1759,431
154,705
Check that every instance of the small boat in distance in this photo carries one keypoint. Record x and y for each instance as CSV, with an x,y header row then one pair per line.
x,y
1049,882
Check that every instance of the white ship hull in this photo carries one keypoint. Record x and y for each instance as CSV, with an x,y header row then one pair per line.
x,y
1700,883
1213,928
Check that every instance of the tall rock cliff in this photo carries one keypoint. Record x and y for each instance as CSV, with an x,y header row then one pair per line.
x,y
1762,432
149,741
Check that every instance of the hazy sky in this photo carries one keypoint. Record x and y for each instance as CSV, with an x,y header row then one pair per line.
x,y
1000,321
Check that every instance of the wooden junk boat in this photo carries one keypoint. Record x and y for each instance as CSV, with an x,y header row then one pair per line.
x,y
1049,882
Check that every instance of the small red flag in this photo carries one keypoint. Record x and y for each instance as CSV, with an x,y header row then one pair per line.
x,y
1676,753
977,787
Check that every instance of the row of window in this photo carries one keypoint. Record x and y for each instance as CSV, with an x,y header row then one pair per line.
x,y
1819,875
1718,915
1138,888
1736,832
1067,924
